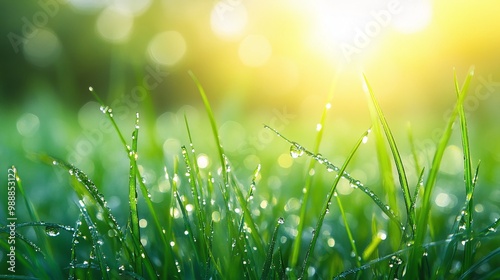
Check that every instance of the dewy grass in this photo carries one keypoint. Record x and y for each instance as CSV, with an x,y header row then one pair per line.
x,y
213,226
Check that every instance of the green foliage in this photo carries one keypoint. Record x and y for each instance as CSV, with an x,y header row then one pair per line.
x,y
209,224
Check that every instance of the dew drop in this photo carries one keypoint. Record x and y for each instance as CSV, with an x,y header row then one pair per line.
x,y
52,231
91,89
281,220
296,150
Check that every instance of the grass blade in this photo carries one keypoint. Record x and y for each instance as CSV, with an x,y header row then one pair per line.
x,y
469,187
296,148
326,207
266,270
213,125
132,197
395,153
307,185
423,218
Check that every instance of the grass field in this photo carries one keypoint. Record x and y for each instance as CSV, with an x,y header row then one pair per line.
x,y
188,209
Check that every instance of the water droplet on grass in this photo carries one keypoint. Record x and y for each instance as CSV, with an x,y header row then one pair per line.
x,y
296,150
281,220
104,109
52,231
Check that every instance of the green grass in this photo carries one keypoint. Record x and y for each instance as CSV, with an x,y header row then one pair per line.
x,y
217,224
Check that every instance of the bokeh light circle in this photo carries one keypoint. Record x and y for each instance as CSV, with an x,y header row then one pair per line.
x,y
228,20
43,49
114,25
167,48
255,50
414,17
28,124
135,7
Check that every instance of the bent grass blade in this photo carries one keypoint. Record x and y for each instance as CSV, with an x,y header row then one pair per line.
x,y
354,182
325,208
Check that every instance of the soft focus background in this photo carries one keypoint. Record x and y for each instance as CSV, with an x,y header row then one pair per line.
x,y
261,62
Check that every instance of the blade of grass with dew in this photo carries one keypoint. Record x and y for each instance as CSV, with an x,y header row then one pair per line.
x,y
307,185
247,214
269,257
299,150
279,264
326,207
170,261
187,226
469,188
96,246
200,219
213,125
223,159
458,233
396,155
147,197
132,198
75,240
195,179
386,171
98,217
39,233
423,218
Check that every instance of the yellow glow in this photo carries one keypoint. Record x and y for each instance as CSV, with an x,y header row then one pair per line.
x,y
414,17
285,160
167,48
255,50
228,19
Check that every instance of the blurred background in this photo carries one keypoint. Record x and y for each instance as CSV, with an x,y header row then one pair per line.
x,y
261,62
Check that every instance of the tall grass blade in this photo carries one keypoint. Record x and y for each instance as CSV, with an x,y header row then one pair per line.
x,y
424,213
132,198
469,187
266,270
213,125
396,155
307,185
326,207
